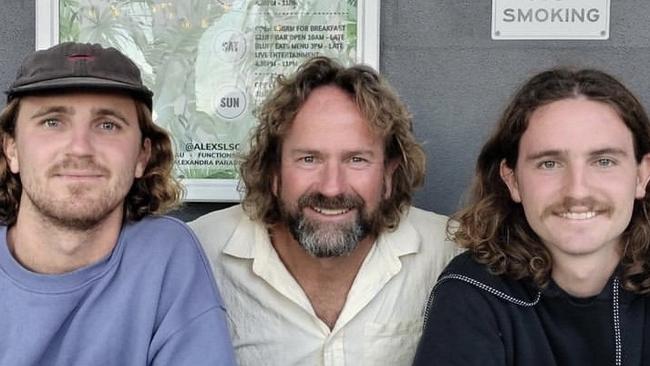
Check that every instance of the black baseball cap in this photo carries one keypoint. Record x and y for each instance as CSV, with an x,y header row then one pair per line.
x,y
74,65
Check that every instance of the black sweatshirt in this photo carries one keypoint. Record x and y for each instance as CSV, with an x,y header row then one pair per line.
x,y
476,318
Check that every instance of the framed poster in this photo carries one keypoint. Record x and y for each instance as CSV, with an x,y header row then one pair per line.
x,y
210,63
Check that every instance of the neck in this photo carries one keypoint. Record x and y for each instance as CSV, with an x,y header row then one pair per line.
x,y
301,264
43,246
325,281
584,276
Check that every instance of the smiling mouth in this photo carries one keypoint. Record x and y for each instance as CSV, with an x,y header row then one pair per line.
x,y
331,212
585,215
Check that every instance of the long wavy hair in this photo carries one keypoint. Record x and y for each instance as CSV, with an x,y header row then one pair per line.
x,y
378,103
494,228
156,192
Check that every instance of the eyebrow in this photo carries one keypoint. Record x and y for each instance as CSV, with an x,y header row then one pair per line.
x,y
556,153
43,111
300,151
303,151
110,112
369,153
609,151
52,109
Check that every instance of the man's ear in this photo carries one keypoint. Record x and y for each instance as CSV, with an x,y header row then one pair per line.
x,y
643,176
390,168
509,178
143,158
11,153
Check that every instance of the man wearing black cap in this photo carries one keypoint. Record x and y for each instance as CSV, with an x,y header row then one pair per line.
x,y
87,275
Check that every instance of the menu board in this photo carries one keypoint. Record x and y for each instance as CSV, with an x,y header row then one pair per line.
x,y
210,64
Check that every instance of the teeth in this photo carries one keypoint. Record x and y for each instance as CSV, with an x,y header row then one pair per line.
x,y
327,211
578,215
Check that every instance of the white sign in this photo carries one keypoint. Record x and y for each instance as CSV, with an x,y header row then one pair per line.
x,y
211,63
550,19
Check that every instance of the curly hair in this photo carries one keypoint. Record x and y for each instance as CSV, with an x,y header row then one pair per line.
x,y
156,192
377,102
494,228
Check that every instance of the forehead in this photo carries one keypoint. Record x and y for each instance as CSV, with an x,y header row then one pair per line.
x,y
331,116
575,124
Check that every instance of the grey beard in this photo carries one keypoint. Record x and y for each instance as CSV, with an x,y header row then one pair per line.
x,y
327,240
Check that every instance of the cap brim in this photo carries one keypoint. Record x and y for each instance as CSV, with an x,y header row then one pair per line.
x,y
81,83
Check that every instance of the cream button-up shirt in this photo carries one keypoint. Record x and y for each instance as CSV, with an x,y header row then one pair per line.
x,y
272,321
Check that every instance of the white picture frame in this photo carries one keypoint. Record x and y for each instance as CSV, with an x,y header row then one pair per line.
x,y
224,190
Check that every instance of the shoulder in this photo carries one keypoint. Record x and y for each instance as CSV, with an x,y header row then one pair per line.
x,y
218,229
163,249
466,293
459,314
465,264
219,223
465,275
158,227
426,220
431,228
162,238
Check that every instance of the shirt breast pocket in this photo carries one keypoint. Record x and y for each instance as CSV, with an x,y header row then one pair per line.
x,y
391,343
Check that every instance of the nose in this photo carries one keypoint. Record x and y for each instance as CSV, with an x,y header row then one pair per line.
x,y
80,141
576,182
332,180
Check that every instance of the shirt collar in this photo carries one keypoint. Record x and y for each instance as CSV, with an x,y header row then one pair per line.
x,y
403,240
248,236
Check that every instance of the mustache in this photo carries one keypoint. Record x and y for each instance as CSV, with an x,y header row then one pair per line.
x,y
85,164
341,201
591,203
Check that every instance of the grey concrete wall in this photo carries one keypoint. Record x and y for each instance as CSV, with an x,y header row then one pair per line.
x,y
456,80
16,37
439,56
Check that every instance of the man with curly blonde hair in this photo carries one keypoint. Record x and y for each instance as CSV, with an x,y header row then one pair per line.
x,y
325,262
89,273
557,270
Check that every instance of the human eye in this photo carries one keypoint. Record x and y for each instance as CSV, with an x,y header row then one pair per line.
x,y
358,161
307,159
548,164
51,123
605,162
108,125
